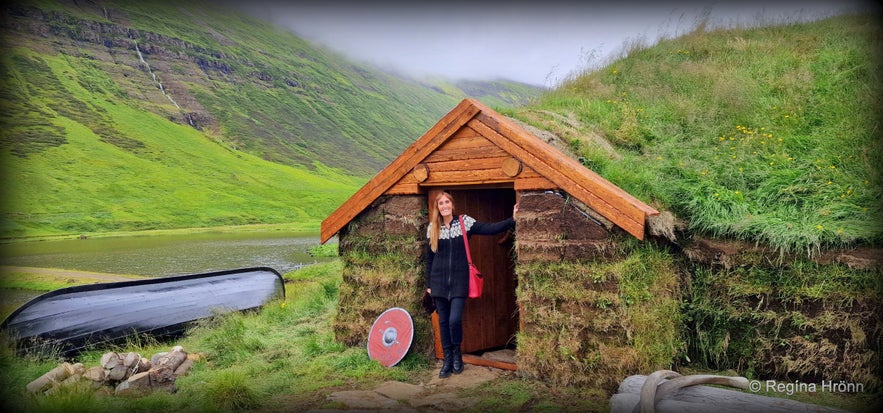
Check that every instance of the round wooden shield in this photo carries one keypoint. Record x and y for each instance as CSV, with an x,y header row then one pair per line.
x,y
390,336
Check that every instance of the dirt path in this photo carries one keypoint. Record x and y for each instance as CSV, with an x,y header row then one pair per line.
x,y
438,395
98,276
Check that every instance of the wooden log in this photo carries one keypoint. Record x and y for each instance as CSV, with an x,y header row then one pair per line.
x,y
161,374
538,183
420,172
512,167
117,373
412,155
184,367
155,358
699,398
625,210
136,385
131,359
143,365
71,380
56,375
110,360
172,359
96,374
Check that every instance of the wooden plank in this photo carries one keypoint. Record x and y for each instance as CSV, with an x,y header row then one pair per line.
x,y
467,164
571,167
566,164
534,184
479,361
454,154
604,197
466,137
466,146
403,188
528,172
552,164
469,177
620,200
413,154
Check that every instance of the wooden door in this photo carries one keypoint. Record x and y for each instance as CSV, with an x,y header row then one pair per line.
x,y
492,320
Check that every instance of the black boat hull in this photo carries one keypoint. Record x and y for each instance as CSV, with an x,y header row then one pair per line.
x,y
70,319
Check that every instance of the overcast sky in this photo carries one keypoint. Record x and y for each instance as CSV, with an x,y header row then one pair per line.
x,y
539,42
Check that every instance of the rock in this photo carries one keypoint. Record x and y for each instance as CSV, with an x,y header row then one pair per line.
x,y
445,401
471,377
362,399
399,391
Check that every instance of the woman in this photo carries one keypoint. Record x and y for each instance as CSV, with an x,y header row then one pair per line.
x,y
447,273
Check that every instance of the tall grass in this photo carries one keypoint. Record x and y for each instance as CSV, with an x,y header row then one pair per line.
x,y
270,359
284,358
768,134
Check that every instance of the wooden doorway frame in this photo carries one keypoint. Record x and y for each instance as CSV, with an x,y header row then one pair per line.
x,y
490,322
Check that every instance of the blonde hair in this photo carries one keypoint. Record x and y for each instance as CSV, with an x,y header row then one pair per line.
x,y
435,220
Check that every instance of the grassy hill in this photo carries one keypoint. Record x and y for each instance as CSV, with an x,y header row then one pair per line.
x,y
766,134
769,134
160,114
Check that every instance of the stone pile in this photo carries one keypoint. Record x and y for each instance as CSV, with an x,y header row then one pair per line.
x,y
127,374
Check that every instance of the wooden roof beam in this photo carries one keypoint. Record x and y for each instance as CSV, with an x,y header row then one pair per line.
x,y
607,199
399,167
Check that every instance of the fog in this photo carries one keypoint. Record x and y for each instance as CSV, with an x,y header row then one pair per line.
x,y
540,43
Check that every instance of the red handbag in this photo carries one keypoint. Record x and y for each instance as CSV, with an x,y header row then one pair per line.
x,y
476,280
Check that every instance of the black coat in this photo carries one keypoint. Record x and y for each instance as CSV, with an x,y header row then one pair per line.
x,y
447,270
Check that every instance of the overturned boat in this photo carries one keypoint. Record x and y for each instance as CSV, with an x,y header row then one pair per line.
x,y
69,320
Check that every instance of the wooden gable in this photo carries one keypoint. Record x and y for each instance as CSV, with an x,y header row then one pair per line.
x,y
475,145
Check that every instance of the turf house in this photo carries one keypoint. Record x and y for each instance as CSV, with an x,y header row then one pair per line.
x,y
550,296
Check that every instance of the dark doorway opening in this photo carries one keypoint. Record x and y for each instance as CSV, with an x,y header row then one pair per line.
x,y
490,322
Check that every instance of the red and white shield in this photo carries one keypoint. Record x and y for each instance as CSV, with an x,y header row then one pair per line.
x,y
390,337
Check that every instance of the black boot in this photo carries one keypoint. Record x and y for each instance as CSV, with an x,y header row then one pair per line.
x,y
446,364
457,364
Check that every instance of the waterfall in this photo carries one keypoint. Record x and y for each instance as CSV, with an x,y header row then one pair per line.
x,y
155,80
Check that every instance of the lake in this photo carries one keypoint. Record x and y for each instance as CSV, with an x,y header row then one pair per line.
x,y
164,255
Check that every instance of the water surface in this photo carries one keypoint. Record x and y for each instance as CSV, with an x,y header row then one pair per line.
x,y
164,255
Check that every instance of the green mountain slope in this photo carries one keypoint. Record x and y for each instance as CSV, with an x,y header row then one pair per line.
x,y
134,115
769,134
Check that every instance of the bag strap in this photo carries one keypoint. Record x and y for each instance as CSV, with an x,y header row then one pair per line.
x,y
465,240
